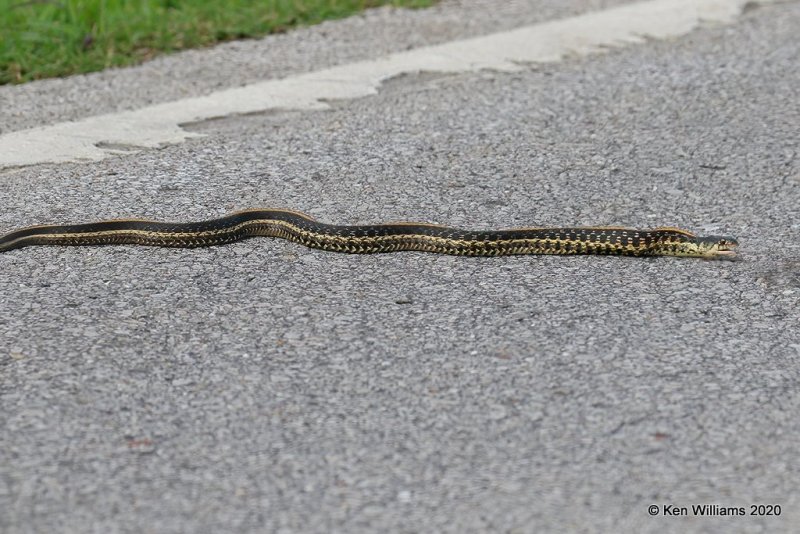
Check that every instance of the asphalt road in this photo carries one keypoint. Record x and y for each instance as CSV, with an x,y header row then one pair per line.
x,y
263,386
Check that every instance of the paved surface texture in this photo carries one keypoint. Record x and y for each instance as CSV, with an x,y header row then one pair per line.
x,y
101,136
264,386
371,35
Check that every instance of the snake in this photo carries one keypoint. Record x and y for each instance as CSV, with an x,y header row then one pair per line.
x,y
301,228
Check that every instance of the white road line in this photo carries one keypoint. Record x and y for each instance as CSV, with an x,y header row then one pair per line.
x,y
546,42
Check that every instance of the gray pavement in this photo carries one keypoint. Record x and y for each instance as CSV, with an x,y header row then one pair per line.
x,y
263,386
370,35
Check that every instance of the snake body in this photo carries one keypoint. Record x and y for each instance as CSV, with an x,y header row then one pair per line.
x,y
362,239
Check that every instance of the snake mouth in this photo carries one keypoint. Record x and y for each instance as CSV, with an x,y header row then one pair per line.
x,y
717,247
727,252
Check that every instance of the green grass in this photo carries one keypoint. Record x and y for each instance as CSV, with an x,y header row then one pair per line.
x,y
48,38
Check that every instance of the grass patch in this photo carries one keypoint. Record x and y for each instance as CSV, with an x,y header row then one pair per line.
x,y
49,38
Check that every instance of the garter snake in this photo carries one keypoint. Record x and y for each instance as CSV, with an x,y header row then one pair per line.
x,y
301,228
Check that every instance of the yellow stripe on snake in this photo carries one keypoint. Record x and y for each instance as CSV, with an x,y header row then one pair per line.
x,y
364,239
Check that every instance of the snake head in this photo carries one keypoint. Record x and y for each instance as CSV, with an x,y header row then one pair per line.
x,y
714,247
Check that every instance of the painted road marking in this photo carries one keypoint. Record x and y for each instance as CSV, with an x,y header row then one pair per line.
x,y
95,138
